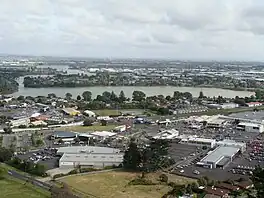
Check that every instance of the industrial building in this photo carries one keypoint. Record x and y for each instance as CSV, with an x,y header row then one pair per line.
x,y
250,127
223,106
219,157
86,149
231,143
198,141
90,160
89,156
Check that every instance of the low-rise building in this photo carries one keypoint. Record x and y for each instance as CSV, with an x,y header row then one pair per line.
x,y
89,113
250,127
253,104
231,143
219,157
19,122
70,111
198,141
90,160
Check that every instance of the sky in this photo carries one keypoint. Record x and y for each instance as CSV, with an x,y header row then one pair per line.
x,y
174,29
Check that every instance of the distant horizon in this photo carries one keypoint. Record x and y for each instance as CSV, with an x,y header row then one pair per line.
x,y
128,58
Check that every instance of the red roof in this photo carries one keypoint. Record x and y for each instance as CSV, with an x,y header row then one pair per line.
x,y
254,103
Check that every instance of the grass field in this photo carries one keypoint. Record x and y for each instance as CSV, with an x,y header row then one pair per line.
x,y
84,129
115,184
10,188
107,112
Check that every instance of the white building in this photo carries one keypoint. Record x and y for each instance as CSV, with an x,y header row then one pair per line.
x,y
101,135
223,106
90,160
167,134
231,143
198,141
86,149
253,104
18,122
89,113
219,157
250,127
216,123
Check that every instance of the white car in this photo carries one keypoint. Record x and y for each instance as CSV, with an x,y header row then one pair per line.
x,y
182,171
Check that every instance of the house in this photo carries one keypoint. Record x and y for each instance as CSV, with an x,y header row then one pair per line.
x,y
223,193
253,104
245,185
250,127
228,186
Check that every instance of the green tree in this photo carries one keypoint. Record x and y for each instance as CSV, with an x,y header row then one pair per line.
x,y
113,97
68,96
122,97
21,98
79,97
138,96
5,154
88,122
87,96
52,95
258,181
132,157
8,130
103,122
201,95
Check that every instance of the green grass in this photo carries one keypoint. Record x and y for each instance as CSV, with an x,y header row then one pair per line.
x,y
115,112
115,184
84,129
14,188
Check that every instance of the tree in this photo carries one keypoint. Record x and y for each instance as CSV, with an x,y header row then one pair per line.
x,y
177,95
39,142
87,96
187,95
103,122
201,95
21,98
240,101
163,111
113,97
202,181
8,130
163,178
52,95
87,122
5,154
122,97
68,96
258,181
132,157
79,97
138,96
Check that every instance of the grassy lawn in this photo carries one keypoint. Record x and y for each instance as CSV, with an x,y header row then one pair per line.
x,y
14,188
115,184
83,129
107,112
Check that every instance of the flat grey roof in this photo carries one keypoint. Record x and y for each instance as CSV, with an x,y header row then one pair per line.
x,y
87,149
249,115
220,152
92,158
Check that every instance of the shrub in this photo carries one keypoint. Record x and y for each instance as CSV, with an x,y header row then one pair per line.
x,y
84,170
163,178
58,175
73,172
141,181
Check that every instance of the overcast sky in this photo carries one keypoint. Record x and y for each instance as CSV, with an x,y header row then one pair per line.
x,y
177,29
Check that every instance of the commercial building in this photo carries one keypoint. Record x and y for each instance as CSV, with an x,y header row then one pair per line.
x,y
90,160
101,135
89,156
86,149
231,143
219,157
250,127
63,135
70,111
216,123
18,122
198,141
167,134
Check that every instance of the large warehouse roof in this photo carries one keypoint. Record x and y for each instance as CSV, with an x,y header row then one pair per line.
x,y
87,149
88,159
219,153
